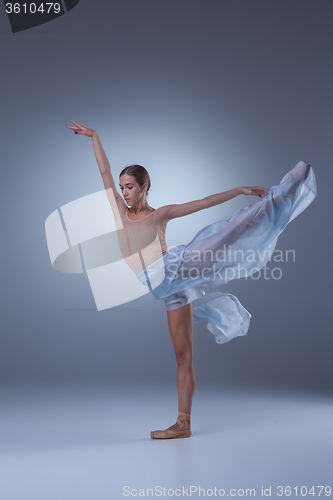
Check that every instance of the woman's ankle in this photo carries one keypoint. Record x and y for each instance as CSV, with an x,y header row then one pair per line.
x,y
184,420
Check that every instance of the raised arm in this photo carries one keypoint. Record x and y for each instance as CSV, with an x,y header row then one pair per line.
x,y
104,166
169,212
102,161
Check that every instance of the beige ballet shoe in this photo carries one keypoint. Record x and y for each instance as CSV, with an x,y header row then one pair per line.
x,y
184,424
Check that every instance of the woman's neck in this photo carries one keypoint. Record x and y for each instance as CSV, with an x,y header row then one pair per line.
x,y
136,209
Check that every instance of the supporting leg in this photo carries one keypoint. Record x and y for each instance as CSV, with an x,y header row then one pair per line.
x,y
180,323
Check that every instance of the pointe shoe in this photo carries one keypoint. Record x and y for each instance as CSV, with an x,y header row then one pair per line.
x,y
184,431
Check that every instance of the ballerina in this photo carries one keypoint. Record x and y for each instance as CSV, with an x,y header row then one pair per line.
x,y
213,254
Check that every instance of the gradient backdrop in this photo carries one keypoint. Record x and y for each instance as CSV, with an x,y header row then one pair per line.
x,y
207,95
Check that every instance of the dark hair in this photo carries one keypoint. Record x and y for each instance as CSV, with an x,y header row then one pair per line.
x,y
139,173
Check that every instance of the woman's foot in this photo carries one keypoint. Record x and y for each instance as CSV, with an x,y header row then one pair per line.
x,y
181,429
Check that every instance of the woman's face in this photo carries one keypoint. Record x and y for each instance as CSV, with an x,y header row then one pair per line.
x,y
130,189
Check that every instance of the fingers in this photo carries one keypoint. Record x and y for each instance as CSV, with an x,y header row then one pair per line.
x,y
261,192
75,129
77,124
79,129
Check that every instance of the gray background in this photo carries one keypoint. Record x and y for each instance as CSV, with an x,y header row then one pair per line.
x,y
207,95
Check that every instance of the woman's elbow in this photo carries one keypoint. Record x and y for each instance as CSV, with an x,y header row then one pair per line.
x,y
205,203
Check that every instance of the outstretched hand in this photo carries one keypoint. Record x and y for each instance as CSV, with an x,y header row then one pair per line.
x,y
255,191
80,130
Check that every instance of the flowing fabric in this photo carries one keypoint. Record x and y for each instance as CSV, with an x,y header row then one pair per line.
x,y
226,250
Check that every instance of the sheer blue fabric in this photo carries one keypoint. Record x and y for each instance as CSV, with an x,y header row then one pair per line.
x,y
226,250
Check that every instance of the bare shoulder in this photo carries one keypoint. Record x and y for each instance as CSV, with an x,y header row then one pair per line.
x,y
164,214
169,212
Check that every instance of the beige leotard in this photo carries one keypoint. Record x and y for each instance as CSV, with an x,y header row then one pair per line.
x,y
142,241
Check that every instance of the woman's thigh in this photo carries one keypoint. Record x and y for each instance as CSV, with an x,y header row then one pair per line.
x,y
180,323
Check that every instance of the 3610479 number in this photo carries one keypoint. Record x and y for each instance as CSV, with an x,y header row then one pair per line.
x,y
33,8
303,491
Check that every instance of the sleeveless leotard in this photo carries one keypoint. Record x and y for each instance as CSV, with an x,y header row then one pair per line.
x,y
142,241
